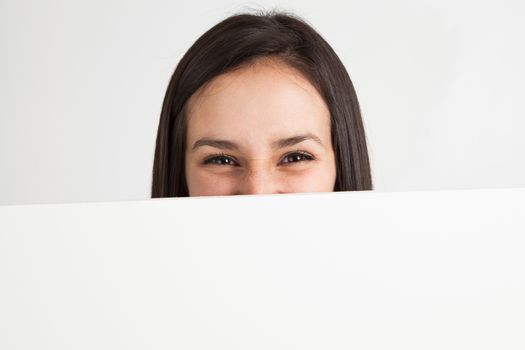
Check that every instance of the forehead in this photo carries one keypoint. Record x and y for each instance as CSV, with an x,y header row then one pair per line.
x,y
265,99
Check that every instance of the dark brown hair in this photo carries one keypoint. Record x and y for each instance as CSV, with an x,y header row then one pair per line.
x,y
240,40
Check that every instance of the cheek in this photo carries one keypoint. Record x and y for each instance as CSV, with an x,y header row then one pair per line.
x,y
318,179
202,183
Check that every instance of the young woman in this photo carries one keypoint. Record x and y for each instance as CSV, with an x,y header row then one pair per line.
x,y
260,104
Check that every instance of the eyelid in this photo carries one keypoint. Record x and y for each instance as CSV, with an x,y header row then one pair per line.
x,y
309,156
208,159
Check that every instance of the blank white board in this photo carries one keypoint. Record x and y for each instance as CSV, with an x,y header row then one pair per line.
x,y
353,270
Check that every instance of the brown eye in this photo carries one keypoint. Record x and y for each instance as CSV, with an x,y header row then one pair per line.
x,y
221,160
297,157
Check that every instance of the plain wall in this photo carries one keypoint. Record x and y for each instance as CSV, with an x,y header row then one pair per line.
x,y
82,83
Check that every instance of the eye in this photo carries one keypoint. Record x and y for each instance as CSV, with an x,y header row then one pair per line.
x,y
297,157
220,159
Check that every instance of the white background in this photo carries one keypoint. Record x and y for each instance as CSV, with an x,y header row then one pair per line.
x,y
82,83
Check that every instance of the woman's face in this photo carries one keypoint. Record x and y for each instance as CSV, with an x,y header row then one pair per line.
x,y
260,129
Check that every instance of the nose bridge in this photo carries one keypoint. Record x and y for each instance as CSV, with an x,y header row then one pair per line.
x,y
258,180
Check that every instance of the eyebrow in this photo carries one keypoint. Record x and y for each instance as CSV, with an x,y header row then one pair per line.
x,y
277,144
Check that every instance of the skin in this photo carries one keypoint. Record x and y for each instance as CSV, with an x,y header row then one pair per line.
x,y
239,118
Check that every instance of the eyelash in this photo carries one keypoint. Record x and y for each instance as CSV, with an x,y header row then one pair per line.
x,y
306,157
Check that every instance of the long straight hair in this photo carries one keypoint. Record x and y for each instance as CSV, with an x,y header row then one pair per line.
x,y
238,41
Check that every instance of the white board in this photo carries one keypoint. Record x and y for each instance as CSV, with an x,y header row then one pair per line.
x,y
367,270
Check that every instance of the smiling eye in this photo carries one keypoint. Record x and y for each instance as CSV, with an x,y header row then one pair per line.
x,y
221,160
297,157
